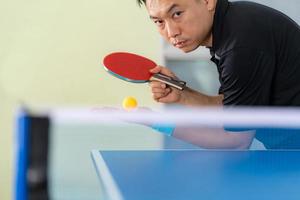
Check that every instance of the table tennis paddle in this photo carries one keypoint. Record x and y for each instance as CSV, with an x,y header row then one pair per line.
x,y
135,68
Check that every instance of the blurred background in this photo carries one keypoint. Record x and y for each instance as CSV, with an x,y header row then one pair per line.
x,y
52,52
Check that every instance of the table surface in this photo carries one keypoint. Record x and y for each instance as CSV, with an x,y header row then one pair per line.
x,y
199,174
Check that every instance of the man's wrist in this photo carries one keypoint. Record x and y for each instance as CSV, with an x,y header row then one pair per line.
x,y
184,96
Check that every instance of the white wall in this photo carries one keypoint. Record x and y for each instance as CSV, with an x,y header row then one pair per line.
x,y
51,53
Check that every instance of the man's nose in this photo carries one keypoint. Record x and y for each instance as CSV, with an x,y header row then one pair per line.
x,y
172,30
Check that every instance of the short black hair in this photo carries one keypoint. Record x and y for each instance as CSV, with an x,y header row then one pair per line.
x,y
141,2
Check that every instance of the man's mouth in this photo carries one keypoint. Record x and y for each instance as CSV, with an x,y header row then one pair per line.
x,y
180,44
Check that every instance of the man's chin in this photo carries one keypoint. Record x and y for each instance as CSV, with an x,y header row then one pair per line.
x,y
188,49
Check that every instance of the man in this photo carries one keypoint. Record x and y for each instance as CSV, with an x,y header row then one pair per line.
x,y
257,53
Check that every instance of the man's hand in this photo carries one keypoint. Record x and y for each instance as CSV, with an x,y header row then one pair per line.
x,y
162,92
111,109
188,97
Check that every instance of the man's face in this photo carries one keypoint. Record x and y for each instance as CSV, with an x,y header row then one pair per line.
x,y
186,24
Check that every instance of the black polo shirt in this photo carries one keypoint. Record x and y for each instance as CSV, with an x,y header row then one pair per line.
x,y
257,52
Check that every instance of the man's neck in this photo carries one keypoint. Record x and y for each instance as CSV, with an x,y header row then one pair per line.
x,y
208,42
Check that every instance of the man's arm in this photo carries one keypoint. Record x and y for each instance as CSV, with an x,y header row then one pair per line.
x,y
215,138
190,97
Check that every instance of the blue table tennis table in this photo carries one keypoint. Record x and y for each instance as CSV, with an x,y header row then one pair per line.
x,y
199,174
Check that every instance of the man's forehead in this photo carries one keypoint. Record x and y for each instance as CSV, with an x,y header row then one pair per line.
x,y
157,7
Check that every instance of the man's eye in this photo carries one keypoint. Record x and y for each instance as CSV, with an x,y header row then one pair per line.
x,y
177,14
158,22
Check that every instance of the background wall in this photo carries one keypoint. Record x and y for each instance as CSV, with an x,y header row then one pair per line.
x,y
51,54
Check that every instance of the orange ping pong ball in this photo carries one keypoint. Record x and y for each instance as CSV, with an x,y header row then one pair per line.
x,y
129,103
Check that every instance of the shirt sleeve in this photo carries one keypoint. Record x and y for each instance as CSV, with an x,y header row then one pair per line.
x,y
246,77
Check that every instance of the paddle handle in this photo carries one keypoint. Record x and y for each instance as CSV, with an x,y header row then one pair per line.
x,y
178,84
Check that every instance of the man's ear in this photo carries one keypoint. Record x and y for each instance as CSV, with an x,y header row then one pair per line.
x,y
210,4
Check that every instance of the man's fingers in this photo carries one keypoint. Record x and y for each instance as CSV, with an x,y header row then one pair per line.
x,y
162,70
161,94
160,90
163,99
156,69
158,87
157,96
157,84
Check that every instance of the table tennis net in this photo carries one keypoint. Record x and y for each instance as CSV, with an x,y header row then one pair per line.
x,y
276,128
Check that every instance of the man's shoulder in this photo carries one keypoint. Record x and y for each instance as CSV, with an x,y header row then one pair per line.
x,y
247,25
